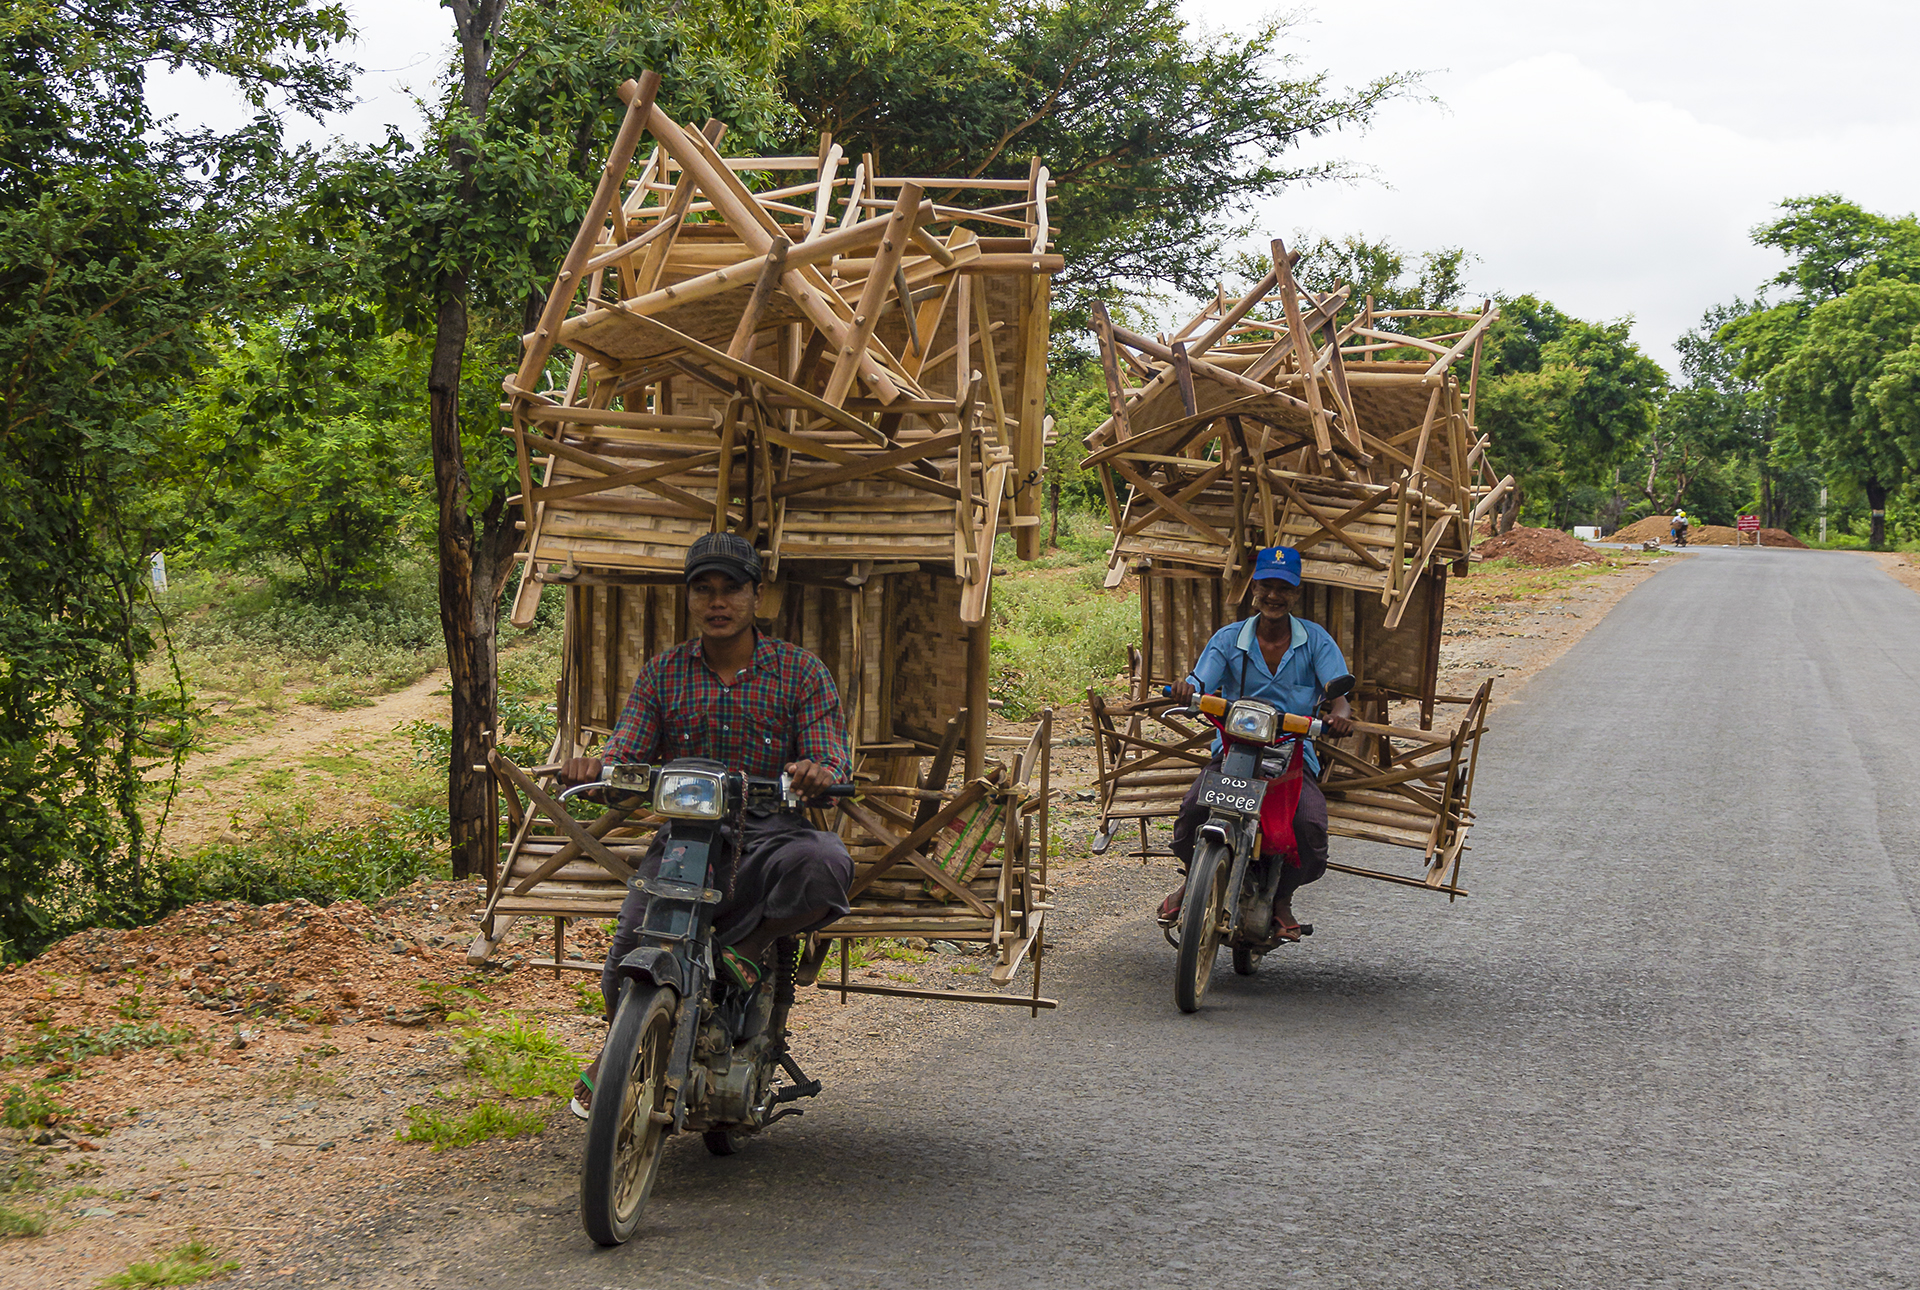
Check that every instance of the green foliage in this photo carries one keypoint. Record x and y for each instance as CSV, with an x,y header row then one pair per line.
x,y
443,1129
1847,390
1159,134
50,1044
1567,402
20,1222
306,442
1056,634
31,1108
184,1265
288,857
519,1059
117,243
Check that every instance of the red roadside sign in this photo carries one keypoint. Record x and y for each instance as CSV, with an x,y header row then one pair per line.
x,y
1748,524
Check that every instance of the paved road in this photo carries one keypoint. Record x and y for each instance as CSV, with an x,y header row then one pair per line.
x,y
1670,1041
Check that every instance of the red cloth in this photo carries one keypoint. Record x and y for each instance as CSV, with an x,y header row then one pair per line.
x,y
1277,808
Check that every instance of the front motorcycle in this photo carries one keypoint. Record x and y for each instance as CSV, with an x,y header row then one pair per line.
x,y
689,1049
1236,867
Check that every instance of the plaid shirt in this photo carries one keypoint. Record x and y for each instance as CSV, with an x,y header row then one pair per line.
x,y
783,707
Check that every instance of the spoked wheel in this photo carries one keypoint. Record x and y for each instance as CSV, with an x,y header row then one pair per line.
x,y
1202,919
627,1130
1245,960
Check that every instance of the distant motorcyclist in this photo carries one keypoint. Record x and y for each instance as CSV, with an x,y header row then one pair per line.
x,y
1679,525
1289,662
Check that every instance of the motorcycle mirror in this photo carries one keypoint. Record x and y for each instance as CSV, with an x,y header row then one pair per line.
x,y
1341,688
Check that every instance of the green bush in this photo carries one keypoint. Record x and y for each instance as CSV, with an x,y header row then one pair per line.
x,y
290,858
1055,636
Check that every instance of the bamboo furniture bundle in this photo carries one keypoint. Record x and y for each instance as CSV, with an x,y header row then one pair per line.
x,y
848,369
1294,429
1267,421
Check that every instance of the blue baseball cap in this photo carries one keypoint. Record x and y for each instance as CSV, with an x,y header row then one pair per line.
x,y
1281,562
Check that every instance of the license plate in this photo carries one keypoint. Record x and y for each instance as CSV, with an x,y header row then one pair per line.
x,y
1222,792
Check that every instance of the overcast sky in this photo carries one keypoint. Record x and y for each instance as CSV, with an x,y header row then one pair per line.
x,y
1612,158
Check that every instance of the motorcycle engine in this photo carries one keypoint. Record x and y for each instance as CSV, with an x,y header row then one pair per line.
x,y
737,1094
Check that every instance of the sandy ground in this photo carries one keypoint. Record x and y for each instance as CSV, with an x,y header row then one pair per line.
x,y
1898,565
275,1121
313,744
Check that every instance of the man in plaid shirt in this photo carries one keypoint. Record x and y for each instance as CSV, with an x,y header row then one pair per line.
x,y
754,704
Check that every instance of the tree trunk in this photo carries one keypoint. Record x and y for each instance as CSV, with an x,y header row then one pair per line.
x,y
1877,506
1508,510
473,567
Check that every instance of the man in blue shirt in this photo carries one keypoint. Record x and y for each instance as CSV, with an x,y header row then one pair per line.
x,y
1290,663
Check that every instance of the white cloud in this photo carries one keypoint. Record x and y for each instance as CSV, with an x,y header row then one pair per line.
x,y
1611,159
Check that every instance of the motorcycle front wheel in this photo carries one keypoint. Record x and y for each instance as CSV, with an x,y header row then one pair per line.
x,y
627,1128
1201,920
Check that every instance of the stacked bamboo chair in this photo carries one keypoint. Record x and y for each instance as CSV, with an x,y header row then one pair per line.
x,y
1285,417
848,369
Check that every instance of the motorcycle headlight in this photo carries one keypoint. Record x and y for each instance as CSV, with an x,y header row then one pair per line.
x,y
1253,721
689,794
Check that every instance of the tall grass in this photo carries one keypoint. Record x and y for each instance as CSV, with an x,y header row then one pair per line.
x,y
1056,629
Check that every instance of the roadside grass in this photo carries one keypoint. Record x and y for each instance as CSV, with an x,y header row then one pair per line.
x,y
1056,628
20,1222
515,1060
183,1265
1505,578
51,1044
292,855
26,1109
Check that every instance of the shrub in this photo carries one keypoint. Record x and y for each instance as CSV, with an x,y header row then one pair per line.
x,y
290,858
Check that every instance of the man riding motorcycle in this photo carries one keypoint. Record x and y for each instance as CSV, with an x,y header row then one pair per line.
x,y
1290,663
757,705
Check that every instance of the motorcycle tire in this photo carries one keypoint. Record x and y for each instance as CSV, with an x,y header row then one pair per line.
x,y
724,1142
627,1128
1202,919
1245,961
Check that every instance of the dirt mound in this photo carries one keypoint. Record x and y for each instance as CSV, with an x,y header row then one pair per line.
x,y
1541,548
294,961
1658,528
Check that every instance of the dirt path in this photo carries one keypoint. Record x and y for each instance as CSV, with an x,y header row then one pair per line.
x,y
307,752
1899,565
295,1040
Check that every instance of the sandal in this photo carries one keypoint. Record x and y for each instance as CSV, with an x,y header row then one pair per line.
x,y
582,1104
1169,912
744,971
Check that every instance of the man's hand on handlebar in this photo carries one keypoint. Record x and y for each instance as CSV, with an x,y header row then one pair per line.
x,y
1339,717
1183,691
809,777
580,770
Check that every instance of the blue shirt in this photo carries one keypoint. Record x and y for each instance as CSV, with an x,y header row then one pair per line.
x,y
1234,667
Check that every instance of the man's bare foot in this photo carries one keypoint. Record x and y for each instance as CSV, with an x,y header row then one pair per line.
x,y
1285,926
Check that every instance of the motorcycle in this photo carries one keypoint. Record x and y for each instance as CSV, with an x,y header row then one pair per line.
x,y
689,1049
1237,859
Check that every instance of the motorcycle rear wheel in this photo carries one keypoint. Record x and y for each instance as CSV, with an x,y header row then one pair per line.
x,y
626,1130
1245,961
1202,917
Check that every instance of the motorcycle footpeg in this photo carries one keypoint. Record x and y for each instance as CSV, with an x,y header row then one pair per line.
x,y
794,1092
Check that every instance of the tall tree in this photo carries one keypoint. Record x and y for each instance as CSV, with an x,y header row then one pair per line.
x,y
1567,401
459,240
118,240
1846,390
1158,134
